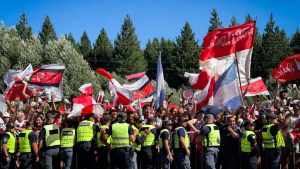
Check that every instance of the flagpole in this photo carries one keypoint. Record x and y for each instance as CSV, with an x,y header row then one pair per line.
x,y
238,70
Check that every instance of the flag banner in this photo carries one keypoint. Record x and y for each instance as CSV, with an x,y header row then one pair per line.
x,y
3,105
142,88
86,89
221,45
198,81
289,69
82,106
205,97
47,78
227,91
136,75
100,96
123,95
257,87
160,84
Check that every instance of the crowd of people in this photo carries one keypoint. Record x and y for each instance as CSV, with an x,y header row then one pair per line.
x,y
38,134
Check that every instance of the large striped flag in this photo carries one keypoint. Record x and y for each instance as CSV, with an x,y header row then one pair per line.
x,y
160,84
221,46
227,91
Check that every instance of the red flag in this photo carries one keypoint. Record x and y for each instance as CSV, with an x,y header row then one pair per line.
x,y
289,69
257,87
86,89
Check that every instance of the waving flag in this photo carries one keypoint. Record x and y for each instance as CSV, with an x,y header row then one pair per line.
x,y
47,78
124,96
160,84
257,87
220,47
136,75
85,105
86,89
227,91
289,69
205,98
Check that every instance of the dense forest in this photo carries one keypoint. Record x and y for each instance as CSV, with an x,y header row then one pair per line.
x,y
124,56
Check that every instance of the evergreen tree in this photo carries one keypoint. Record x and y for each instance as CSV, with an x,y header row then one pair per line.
x,y
248,18
23,29
233,22
85,46
295,42
186,55
48,32
214,21
151,55
128,55
71,39
103,51
167,58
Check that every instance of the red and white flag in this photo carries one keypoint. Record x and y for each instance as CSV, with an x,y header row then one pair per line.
x,y
198,81
124,96
86,89
221,45
289,69
136,75
205,98
86,105
257,87
47,78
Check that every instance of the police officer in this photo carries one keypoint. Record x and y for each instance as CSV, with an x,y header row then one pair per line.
x,y
67,141
249,147
229,148
49,139
121,135
8,147
148,151
165,144
102,149
182,145
210,138
259,124
28,144
273,140
85,143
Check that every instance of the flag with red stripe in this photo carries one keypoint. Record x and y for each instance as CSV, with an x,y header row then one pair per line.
x,y
257,87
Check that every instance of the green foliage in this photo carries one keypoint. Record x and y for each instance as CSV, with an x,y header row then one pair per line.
x,y
233,21
295,42
102,52
48,33
85,46
214,21
151,55
128,57
71,39
23,29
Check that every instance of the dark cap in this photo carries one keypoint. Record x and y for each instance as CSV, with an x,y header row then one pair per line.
x,y
137,119
92,116
271,116
49,116
106,117
29,123
166,122
146,106
262,115
10,126
151,119
247,123
122,115
208,116
182,119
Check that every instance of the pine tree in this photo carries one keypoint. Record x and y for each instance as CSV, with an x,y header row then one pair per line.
x,y
23,29
85,45
186,55
48,32
151,55
233,22
70,38
102,52
128,55
167,57
295,42
248,18
214,21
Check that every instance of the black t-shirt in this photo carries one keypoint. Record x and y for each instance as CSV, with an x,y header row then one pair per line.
x,y
274,130
228,143
165,136
5,138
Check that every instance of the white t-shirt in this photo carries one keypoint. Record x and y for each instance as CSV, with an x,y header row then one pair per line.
x,y
20,125
158,122
292,123
2,126
285,101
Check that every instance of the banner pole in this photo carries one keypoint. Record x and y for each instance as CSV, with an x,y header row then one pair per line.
x,y
238,70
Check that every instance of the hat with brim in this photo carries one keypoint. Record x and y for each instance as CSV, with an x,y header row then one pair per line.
x,y
271,116
10,126
249,123
167,122
182,119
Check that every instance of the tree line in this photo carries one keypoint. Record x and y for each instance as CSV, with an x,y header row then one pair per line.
x,y
124,55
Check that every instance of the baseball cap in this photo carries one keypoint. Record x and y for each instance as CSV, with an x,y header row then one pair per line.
x,y
146,106
137,119
122,115
247,123
263,115
168,122
10,126
271,116
92,116
129,110
208,116
151,119
49,115
106,117
29,123
6,114
112,109
182,119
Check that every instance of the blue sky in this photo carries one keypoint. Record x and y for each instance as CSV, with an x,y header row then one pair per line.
x,y
151,18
